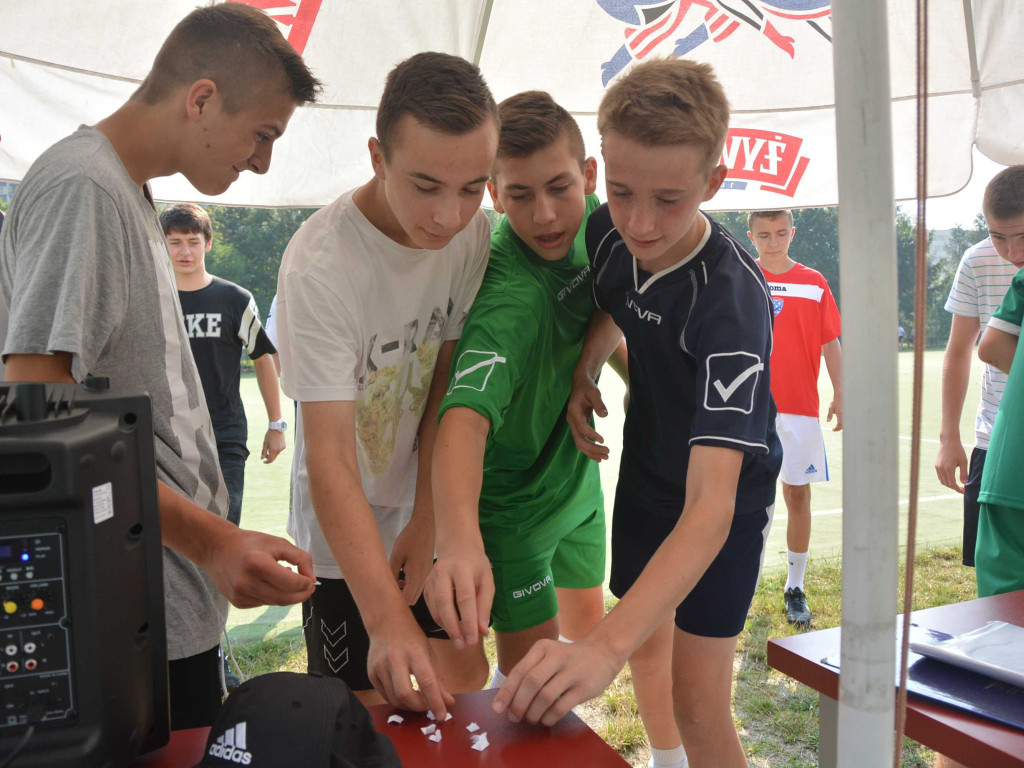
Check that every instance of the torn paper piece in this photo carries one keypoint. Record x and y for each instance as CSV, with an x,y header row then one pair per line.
x,y
448,717
430,715
435,736
472,727
398,719
428,729
480,742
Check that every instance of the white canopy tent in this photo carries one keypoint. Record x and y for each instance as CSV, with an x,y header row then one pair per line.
x,y
66,62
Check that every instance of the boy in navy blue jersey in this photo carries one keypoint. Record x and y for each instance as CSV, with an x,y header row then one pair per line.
x,y
700,455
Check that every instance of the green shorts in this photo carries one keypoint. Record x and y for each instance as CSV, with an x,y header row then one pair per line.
x,y
524,589
999,554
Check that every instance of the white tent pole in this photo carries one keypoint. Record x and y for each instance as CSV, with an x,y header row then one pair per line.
x,y
867,269
972,49
481,33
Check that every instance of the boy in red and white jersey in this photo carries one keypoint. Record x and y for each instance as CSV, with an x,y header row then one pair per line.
x,y
807,327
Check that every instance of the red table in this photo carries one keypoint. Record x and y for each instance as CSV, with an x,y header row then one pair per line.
x,y
970,740
570,742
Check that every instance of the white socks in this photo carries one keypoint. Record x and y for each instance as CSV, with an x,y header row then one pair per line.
x,y
497,679
668,758
797,566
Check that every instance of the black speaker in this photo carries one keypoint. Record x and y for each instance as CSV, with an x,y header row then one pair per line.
x,y
83,649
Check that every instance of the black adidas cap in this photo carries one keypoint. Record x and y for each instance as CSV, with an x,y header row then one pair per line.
x,y
287,719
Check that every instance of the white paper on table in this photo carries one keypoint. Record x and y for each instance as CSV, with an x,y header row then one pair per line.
x,y
995,650
448,717
480,742
472,727
428,729
430,714
435,736
398,719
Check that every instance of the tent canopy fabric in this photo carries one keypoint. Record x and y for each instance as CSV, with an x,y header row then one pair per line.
x,y
64,63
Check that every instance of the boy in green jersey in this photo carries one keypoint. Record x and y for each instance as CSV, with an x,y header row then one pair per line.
x,y
519,510
999,552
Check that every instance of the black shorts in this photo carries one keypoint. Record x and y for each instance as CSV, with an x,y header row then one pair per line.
x,y
971,506
717,605
195,693
336,641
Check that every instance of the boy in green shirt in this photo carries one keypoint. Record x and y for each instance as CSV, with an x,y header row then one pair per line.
x,y
518,509
999,553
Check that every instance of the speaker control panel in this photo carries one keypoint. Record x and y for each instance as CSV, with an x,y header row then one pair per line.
x,y
35,635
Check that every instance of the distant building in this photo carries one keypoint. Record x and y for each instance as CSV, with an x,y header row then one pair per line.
x,y
7,191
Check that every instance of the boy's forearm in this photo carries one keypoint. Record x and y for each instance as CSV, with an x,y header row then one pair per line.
x,y
426,436
270,389
833,354
619,361
997,348
351,532
956,373
458,478
343,512
186,527
603,336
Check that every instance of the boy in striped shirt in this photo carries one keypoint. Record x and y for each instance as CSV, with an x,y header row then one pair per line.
x,y
982,280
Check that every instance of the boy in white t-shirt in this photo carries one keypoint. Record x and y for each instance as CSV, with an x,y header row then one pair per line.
x,y
372,295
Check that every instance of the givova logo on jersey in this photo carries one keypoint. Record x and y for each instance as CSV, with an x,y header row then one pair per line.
x,y
473,369
731,381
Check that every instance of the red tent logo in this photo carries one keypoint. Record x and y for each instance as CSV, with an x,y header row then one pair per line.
x,y
295,16
771,159
689,24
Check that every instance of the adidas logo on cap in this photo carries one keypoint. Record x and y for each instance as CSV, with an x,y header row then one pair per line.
x,y
230,746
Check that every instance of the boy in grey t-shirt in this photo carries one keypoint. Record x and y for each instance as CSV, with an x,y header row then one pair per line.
x,y
85,273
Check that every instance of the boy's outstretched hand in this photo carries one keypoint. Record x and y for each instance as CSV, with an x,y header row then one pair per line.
x,y
244,567
398,649
584,401
459,593
554,677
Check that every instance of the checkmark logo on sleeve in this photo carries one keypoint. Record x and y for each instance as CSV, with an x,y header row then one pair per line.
x,y
730,382
727,392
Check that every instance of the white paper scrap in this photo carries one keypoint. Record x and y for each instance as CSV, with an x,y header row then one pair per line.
x,y
435,736
472,727
396,719
102,503
430,714
448,717
480,742
428,729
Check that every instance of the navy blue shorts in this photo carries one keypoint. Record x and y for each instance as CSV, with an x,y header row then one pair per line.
x,y
717,605
971,506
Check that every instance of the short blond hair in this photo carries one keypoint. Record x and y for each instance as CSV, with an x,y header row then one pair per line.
x,y
668,101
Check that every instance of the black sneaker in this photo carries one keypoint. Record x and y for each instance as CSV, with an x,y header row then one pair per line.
x,y
797,611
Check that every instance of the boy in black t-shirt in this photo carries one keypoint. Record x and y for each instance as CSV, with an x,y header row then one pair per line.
x,y
222,320
700,455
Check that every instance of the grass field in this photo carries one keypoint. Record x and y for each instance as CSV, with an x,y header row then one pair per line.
x,y
266,486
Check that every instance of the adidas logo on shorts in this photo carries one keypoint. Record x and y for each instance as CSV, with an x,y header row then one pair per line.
x,y
810,470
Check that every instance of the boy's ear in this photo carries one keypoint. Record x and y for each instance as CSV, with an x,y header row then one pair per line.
x,y
589,176
493,191
718,174
792,234
209,244
376,158
750,236
199,98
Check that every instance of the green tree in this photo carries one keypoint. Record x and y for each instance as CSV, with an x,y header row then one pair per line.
x,y
248,244
943,271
